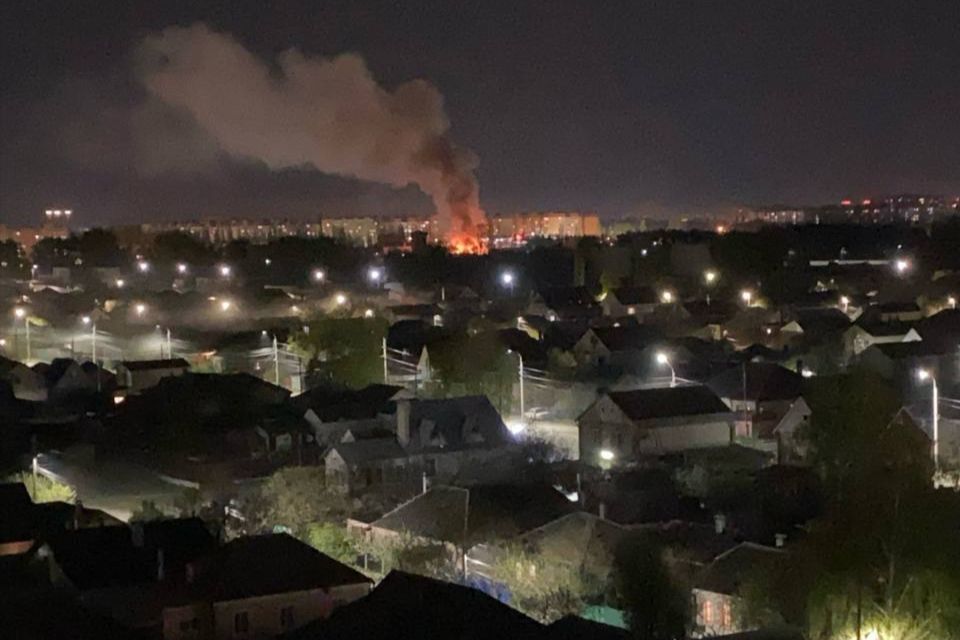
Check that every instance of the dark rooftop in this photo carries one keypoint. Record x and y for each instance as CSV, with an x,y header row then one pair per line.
x,y
759,381
665,402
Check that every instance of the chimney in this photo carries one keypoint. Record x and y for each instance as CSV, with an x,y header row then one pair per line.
x,y
602,511
161,569
136,534
779,540
403,422
719,523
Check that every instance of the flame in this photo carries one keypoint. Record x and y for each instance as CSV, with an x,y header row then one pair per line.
x,y
466,244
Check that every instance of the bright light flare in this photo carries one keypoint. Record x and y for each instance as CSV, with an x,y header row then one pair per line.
x,y
140,308
902,265
507,278
375,274
319,275
662,358
340,299
710,276
181,268
606,455
86,320
225,270
20,312
923,374
225,305
143,266
666,297
746,296
120,282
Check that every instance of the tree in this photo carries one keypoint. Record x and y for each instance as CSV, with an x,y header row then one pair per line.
x,y
333,540
296,498
656,608
543,588
147,511
44,489
344,350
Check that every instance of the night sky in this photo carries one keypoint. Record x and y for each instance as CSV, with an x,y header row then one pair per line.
x,y
618,107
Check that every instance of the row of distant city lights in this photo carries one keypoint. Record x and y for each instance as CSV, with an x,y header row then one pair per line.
x,y
374,274
56,213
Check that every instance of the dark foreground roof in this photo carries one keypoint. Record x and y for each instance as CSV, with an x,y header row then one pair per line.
x,y
760,381
419,608
665,402
146,365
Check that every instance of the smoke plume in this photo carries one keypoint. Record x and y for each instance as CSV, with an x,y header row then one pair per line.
x,y
328,113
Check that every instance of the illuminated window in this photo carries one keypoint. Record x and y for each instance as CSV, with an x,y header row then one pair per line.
x,y
706,612
726,612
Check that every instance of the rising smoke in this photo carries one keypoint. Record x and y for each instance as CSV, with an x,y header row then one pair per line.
x,y
328,113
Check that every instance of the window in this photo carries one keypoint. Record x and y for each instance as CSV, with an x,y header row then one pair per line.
x,y
286,617
726,613
241,623
706,612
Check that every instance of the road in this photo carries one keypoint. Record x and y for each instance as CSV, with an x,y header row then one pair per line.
x,y
115,486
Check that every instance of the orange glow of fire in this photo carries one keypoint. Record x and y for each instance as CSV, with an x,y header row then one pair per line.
x,y
465,244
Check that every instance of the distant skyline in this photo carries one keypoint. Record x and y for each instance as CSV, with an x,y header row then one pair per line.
x,y
615,107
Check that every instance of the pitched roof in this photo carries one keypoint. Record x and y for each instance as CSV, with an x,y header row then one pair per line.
x,y
490,510
332,404
728,572
365,450
623,338
759,381
665,402
449,420
573,627
420,608
146,365
274,563
636,295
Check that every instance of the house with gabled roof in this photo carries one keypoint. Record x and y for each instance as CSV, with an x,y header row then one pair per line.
x,y
621,426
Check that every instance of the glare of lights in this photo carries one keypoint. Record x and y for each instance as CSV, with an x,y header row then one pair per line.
x,y
902,265
606,455
140,309
923,374
507,278
662,358
643,252
710,276
341,299
267,261
143,266
721,229
516,427
225,305
120,282
368,313
631,311
119,399
666,297
319,275
769,331
263,333
225,270
85,320
746,296
3,342
20,312
952,301
844,300
806,373
294,309
181,268
375,274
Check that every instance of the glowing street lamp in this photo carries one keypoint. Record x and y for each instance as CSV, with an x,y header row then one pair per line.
x,y
88,321
181,268
225,305
368,313
664,360
319,275
507,278
143,266
267,261
902,265
845,303
924,375
140,309
375,274
746,296
120,282
340,299
710,276
952,301
606,455
21,314
666,297
225,270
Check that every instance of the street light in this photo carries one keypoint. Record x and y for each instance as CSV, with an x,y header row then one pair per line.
x,y
143,266
319,275
181,268
225,270
710,276
901,265
746,296
845,303
507,278
606,455
340,299
225,305
21,314
925,375
140,308
375,274
666,297
662,359
952,301
87,320
120,282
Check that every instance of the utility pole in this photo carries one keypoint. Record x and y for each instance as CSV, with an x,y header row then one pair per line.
x,y
386,372
27,324
276,361
169,345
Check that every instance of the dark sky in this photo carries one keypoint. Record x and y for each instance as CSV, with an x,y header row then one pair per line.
x,y
618,107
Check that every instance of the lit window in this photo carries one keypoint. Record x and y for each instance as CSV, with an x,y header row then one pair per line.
x,y
726,612
706,612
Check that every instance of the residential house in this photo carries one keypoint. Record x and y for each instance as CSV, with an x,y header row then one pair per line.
x,y
137,375
791,445
622,425
760,393
897,312
563,304
630,301
717,592
332,412
439,438
27,384
614,347
421,608
862,335
456,519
